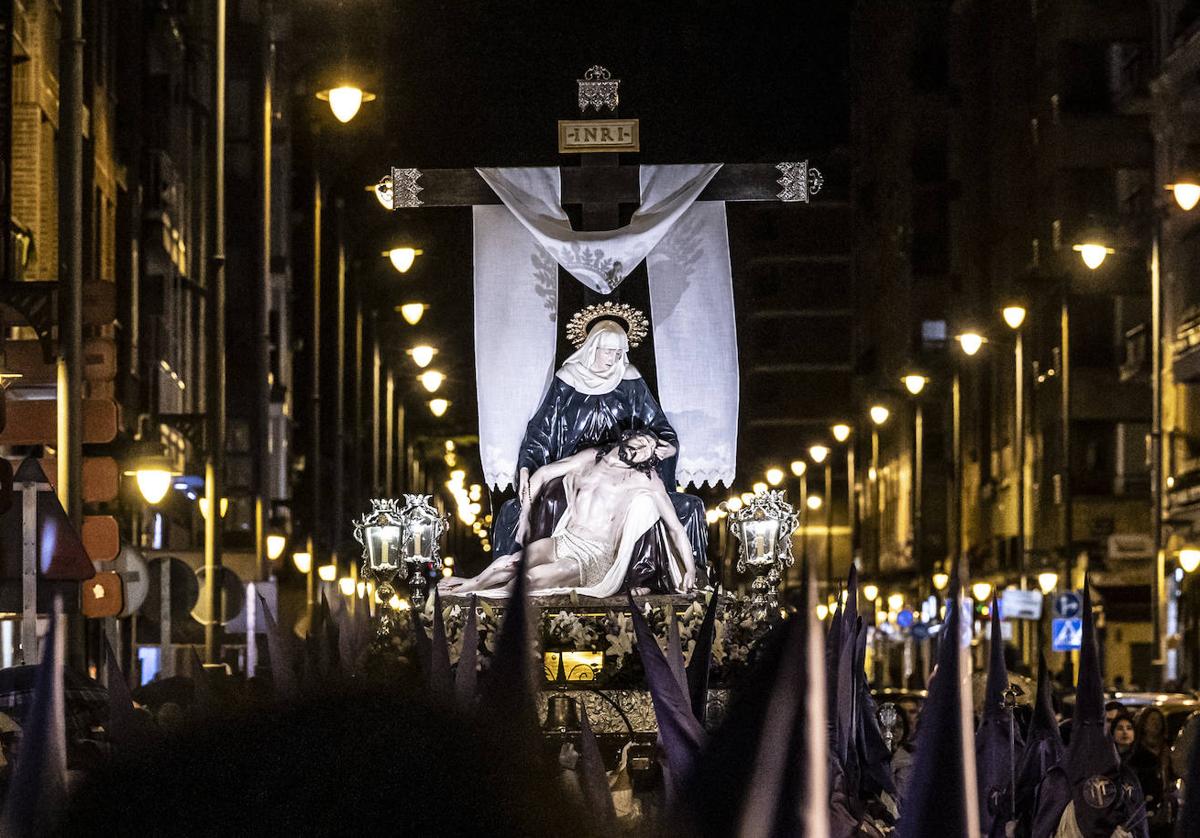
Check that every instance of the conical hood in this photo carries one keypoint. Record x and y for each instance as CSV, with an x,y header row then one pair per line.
x,y
36,794
465,675
122,727
508,691
745,783
1043,745
873,753
440,679
1091,750
283,657
940,799
997,741
701,662
682,736
593,780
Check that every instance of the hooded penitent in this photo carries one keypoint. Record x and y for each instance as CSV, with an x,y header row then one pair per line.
x,y
1043,747
465,675
940,797
701,661
764,770
1090,792
997,741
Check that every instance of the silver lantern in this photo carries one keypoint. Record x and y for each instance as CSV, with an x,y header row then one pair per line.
x,y
763,528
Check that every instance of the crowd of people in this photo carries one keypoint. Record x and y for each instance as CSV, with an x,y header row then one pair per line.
x,y
340,737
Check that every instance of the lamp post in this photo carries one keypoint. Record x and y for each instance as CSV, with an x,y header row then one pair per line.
x,y
1014,318
820,456
879,415
799,469
841,434
970,342
914,383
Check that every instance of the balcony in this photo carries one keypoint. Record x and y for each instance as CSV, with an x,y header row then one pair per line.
x,y
1186,351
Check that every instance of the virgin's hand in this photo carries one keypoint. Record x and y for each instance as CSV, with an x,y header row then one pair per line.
x,y
689,581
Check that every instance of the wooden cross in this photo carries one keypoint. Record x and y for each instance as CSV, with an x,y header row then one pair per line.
x,y
601,187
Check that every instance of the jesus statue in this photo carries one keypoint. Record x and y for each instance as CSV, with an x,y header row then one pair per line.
x,y
614,495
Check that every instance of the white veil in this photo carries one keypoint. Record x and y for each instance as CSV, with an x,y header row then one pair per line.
x,y
578,372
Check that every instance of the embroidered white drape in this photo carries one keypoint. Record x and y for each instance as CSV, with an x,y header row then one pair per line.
x,y
686,247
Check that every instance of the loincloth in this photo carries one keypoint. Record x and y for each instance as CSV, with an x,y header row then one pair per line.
x,y
592,558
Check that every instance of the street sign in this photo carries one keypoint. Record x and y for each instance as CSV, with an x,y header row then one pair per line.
x,y
1066,634
1016,604
1067,604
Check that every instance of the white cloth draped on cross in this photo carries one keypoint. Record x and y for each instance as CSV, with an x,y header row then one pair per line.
x,y
685,244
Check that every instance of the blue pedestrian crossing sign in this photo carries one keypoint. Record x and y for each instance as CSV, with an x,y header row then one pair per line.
x,y
1068,604
1067,634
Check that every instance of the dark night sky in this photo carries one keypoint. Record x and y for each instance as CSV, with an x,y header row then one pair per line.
x,y
483,83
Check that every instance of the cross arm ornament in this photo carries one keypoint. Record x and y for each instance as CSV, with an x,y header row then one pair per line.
x,y
789,182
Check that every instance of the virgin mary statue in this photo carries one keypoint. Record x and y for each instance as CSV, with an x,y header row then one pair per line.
x,y
595,396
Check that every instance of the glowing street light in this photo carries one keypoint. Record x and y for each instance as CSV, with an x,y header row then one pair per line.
x,y
818,453
840,431
302,561
981,590
154,478
202,502
346,585
327,572
1047,581
870,592
1014,316
814,502
422,355
759,488
1186,189
879,414
412,312
798,467
895,601
940,580
1189,559
914,383
438,407
431,380
402,258
971,342
345,100
276,542
1093,246
822,611
774,476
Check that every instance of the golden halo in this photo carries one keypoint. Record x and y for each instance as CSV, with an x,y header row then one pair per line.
x,y
634,321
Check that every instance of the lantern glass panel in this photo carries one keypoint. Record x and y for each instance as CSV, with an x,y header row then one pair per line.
x,y
761,542
383,547
418,541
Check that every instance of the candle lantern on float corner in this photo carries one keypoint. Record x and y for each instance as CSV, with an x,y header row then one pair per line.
x,y
421,532
763,528
380,533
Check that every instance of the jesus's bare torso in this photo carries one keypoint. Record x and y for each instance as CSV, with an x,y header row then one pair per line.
x,y
600,495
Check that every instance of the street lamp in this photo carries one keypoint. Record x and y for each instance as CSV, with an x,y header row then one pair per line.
x,y
981,590
879,414
1047,581
412,312
841,432
345,100
870,592
402,258
1014,317
1189,559
276,542
820,456
302,561
154,475
914,383
327,572
970,342
431,380
940,580
1093,246
774,476
422,354
798,467
202,503
1186,189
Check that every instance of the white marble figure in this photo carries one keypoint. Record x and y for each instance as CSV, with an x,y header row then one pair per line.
x,y
614,495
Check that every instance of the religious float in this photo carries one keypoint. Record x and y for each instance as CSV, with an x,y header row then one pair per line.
x,y
599,464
